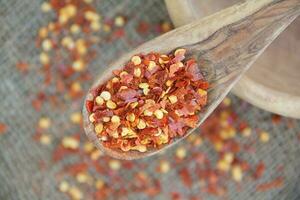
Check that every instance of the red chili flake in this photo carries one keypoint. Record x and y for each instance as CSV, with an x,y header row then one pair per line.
x,y
143,27
36,136
186,177
216,190
3,128
127,94
38,101
259,170
36,104
99,168
153,99
89,105
60,152
76,168
173,69
22,67
290,124
117,34
152,191
276,119
273,184
232,146
175,196
102,193
212,177
127,165
242,126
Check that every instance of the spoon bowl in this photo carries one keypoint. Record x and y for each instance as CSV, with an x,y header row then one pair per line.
x,y
224,45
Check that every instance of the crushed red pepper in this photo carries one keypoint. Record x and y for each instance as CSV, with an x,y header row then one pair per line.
x,y
259,170
273,184
3,128
149,102
22,67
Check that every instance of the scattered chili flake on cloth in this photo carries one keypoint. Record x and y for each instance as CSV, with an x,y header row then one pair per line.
x,y
3,128
152,100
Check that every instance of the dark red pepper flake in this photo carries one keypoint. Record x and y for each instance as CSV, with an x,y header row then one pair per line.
x,y
215,190
259,170
273,184
276,119
175,196
3,128
60,152
22,67
76,168
89,106
143,27
186,177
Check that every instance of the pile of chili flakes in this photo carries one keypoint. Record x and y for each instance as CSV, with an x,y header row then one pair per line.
x,y
149,102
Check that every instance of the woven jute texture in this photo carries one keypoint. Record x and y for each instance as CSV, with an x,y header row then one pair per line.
x,y
27,171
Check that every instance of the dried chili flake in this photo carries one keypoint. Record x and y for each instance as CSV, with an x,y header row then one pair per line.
x,y
175,196
216,190
37,104
153,99
186,177
76,168
276,119
273,184
60,152
3,128
22,67
143,27
259,170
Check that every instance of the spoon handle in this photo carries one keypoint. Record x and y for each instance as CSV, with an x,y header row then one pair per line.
x,y
234,47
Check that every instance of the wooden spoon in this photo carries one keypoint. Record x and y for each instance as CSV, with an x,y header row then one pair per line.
x,y
225,45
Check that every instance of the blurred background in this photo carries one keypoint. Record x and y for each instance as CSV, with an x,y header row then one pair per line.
x,y
49,53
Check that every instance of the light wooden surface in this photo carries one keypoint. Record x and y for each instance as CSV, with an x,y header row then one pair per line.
x,y
225,45
273,82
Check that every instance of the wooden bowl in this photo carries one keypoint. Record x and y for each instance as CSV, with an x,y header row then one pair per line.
x,y
273,82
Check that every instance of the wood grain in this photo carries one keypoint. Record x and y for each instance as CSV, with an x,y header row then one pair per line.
x,y
225,44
